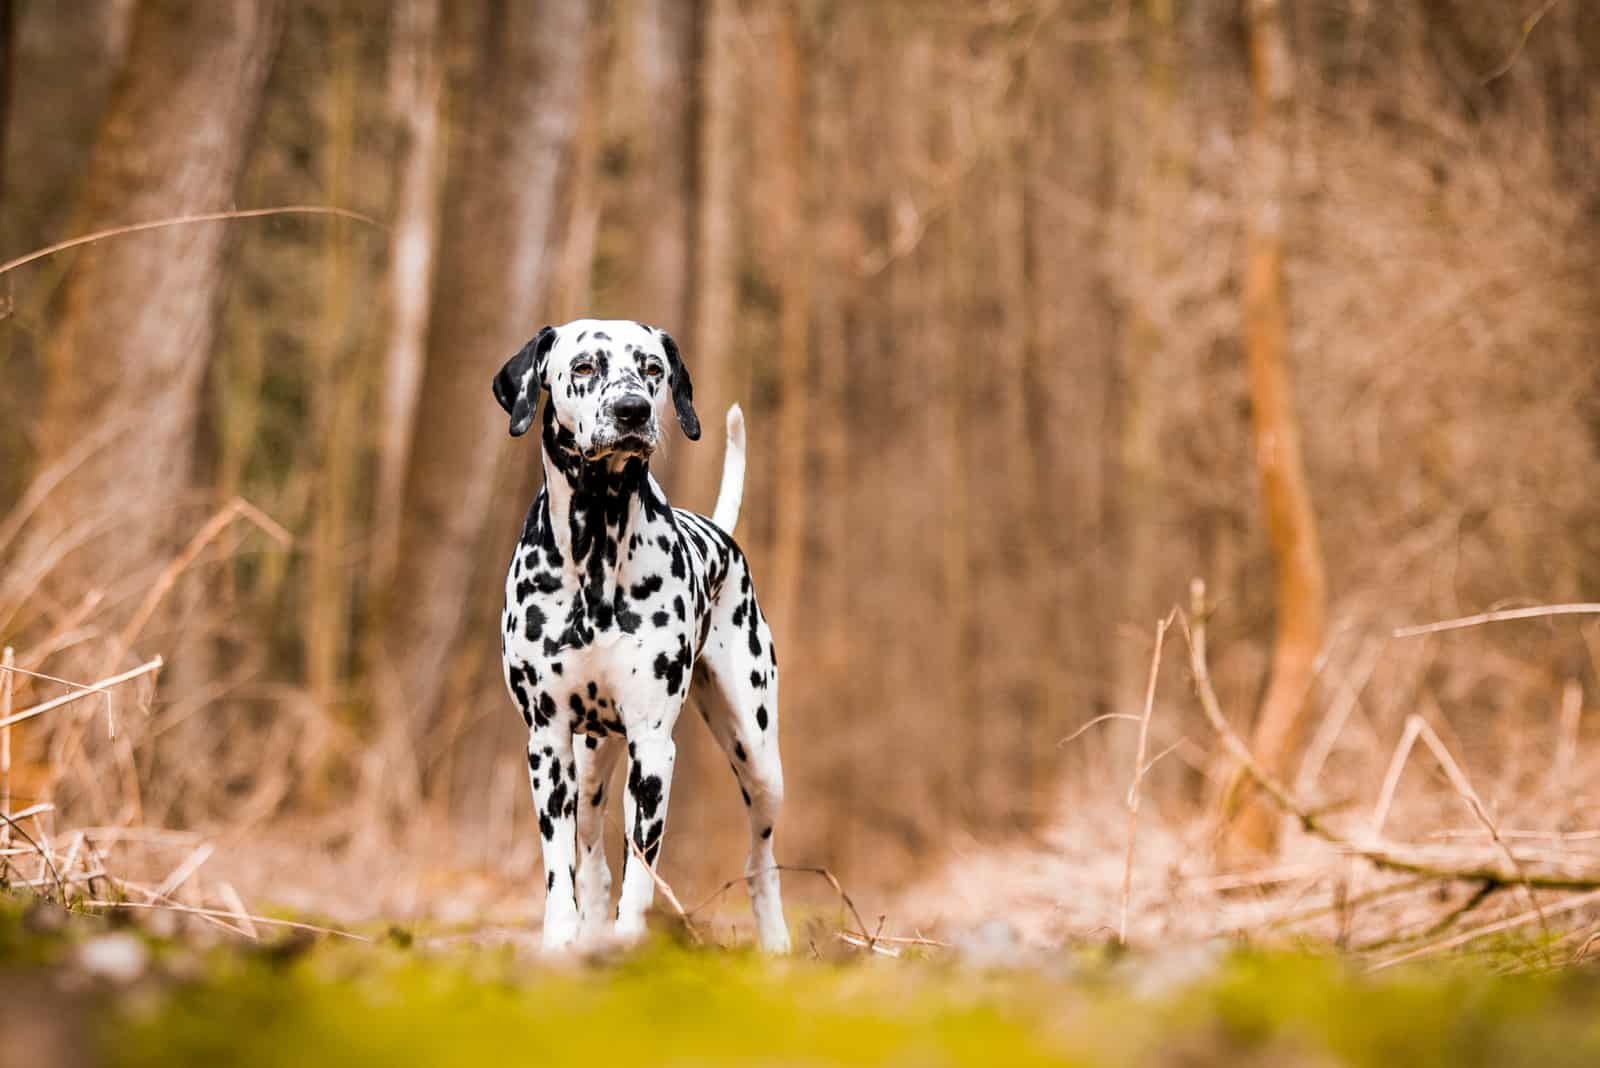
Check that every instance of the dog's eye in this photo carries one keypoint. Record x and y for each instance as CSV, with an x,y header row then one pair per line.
x,y
583,370
652,370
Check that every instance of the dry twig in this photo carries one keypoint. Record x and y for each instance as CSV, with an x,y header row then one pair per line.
x,y
219,913
666,890
1138,775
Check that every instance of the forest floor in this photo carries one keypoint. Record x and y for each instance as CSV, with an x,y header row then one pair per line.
x,y
80,990
1008,954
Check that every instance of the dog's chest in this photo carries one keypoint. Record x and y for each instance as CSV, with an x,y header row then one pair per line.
x,y
600,648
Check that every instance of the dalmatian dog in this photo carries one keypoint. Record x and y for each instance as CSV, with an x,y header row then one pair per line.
x,y
618,608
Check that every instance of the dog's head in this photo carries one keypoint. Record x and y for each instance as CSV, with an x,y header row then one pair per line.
x,y
609,381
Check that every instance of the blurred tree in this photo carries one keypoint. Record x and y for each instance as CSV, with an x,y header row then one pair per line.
x,y
716,252
416,87
516,106
1154,177
654,95
648,248
134,337
790,216
1291,522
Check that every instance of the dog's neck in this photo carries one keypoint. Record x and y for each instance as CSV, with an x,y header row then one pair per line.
x,y
594,505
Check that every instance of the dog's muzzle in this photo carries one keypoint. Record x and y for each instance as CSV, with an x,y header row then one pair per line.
x,y
631,429
631,413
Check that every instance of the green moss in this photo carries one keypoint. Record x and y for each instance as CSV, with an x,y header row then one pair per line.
x,y
342,1003
664,1006
1445,1016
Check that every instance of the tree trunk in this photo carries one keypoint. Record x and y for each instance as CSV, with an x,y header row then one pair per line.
x,y
656,75
502,203
716,259
790,215
572,288
416,85
653,95
1153,160
135,334
1291,523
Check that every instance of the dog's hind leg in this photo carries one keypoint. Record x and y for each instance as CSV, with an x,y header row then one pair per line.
x,y
740,698
596,759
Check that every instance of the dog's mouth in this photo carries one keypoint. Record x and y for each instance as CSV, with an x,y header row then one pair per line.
x,y
622,445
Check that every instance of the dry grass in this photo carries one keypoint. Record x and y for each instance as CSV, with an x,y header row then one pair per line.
x,y
1400,884
1391,888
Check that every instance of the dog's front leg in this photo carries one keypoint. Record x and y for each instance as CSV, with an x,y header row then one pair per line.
x,y
597,759
651,756
552,772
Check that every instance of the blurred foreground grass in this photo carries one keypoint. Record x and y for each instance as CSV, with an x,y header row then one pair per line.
x,y
78,991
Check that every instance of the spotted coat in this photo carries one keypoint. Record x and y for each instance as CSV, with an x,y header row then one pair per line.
x,y
618,608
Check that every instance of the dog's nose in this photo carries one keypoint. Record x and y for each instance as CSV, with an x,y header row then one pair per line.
x,y
631,411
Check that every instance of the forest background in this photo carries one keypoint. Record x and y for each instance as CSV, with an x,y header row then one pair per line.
x,y
1037,309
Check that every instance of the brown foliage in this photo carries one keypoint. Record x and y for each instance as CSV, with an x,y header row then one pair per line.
x,y
975,272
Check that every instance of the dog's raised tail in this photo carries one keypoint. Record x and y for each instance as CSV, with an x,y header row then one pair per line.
x,y
731,495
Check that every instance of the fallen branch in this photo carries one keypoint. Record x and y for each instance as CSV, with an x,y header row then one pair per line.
x,y
1194,631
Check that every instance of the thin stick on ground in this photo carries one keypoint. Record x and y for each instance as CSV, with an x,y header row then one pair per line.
x,y
666,891
1463,787
833,881
1521,919
1193,626
867,940
224,913
1138,775
1418,728
49,861
1501,616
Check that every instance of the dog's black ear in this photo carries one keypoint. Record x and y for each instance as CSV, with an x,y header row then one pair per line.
x,y
682,388
516,387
